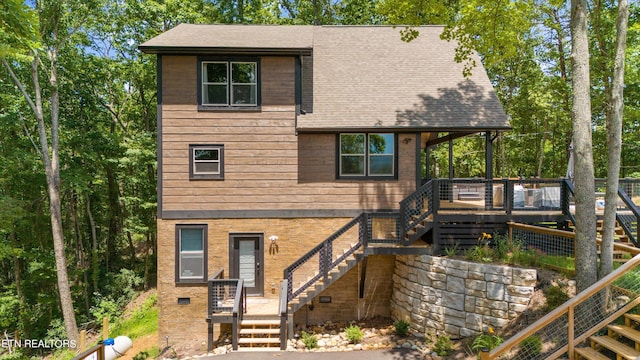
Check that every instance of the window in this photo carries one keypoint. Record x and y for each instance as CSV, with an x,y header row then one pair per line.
x,y
229,83
206,162
191,253
367,155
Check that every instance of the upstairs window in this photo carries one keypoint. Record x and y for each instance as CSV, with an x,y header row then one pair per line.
x,y
206,162
191,253
364,155
229,83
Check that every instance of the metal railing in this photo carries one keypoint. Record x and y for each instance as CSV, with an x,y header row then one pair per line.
x,y
227,302
319,261
222,294
383,228
558,333
499,194
415,208
627,212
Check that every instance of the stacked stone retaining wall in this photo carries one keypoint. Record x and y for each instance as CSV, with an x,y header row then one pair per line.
x,y
458,297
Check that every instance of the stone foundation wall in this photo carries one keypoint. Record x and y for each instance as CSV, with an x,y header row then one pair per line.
x,y
458,297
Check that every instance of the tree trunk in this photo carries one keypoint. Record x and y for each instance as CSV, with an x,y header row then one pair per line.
x,y
614,140
586,257
95,260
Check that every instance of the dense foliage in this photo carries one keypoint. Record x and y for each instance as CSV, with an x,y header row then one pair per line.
x,y
107,124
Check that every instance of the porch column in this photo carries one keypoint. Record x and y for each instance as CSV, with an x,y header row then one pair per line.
x,y
427,161
450,185
488,162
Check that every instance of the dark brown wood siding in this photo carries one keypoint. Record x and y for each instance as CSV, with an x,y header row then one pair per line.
x,y
266,165
179,80
278,80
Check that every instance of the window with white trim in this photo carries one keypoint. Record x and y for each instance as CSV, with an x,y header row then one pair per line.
x,y
367,155
229,83
191,253
206,162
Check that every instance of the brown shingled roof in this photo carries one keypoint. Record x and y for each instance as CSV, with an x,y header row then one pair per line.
x,y
366,77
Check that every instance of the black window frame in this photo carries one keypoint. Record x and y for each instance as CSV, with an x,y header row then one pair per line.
x,y
229,107
205,249
203,176
367,156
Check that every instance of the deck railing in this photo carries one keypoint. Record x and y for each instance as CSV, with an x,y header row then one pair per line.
x,y
554,241
227,302
317,263
222,293
499,194
560,331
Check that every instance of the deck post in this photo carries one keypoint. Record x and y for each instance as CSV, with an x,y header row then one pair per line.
x,y
488,163
210,335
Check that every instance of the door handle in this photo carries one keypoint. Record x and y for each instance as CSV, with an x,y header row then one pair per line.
x,y
258,267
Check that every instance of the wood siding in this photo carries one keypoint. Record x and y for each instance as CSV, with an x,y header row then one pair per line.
x,y
179,80
278,81
266,165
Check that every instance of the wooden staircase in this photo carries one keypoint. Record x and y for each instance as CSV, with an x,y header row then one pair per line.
x,y
620,237
622,342
421,228
259,333
320,285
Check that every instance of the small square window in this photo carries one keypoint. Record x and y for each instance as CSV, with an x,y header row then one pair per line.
x,y
206,162
191,253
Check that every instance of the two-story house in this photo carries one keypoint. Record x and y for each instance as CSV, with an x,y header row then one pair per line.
x,y
272,138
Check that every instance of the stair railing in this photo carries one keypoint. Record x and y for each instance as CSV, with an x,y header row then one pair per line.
x,y
322,256
416,207
283,311
626,221
558,333
239,306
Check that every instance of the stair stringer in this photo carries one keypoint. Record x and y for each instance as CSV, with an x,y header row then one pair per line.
x,y
319,286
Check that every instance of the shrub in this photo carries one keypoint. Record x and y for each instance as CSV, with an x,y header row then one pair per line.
x,y
402,327
443,345
309,340
531,346
555,297
452,250
479,254
353,334
486,341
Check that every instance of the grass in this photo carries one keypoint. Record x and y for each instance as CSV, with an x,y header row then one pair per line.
x,y
143,321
